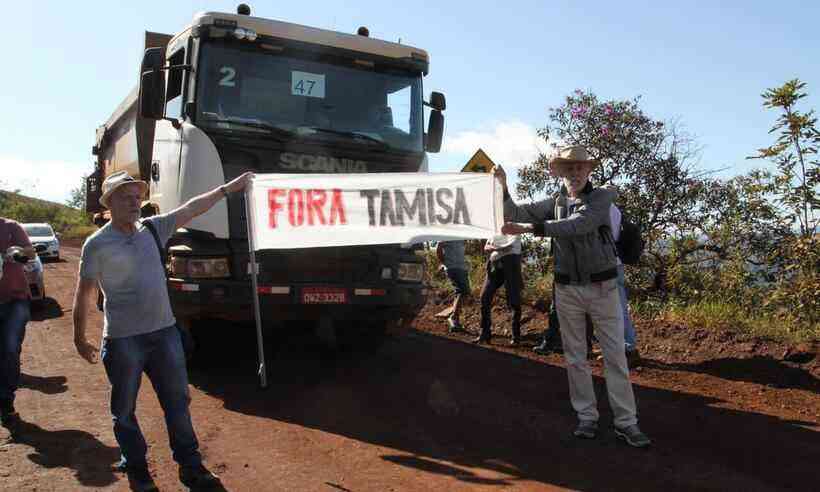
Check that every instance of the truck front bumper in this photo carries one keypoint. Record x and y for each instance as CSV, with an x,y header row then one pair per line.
x,y
231,300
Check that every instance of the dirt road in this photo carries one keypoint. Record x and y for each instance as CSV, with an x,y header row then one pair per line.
x,y
423,412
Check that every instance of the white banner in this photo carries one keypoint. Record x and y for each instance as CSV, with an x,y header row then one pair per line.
x,y
313,210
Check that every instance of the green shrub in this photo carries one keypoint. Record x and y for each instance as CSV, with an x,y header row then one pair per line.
x,y
723,316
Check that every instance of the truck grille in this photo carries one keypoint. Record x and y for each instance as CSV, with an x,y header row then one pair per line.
x,y
302,267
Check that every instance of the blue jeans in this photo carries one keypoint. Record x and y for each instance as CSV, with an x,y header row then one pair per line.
x,y
629,329
460,280
160,355
13,318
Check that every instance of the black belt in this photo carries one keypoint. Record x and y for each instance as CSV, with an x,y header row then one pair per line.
x,y
595,277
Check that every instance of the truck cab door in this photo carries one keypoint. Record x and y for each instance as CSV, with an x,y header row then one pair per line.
x,y
165,161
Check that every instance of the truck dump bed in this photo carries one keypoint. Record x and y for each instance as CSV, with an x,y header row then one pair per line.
x,y
125,141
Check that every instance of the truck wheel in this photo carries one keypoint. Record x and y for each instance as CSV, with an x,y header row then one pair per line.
x,y
362,336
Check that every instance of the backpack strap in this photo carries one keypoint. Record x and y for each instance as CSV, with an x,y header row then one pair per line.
x,y
163,256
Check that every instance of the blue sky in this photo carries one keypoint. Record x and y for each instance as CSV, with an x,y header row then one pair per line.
x,y
501,65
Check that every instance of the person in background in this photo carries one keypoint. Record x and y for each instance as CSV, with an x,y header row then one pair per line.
x,y
630,344
15,313
503,268
551,338
139,332
578,219
451,256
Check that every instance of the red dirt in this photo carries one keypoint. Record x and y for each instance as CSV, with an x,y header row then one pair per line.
x,y
425,411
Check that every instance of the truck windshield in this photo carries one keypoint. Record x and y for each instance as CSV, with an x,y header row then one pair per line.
x,y
306,99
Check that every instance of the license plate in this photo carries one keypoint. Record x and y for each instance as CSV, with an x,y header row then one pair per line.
x,y
324,295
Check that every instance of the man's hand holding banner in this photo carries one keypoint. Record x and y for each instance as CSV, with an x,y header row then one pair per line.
x,y
313,210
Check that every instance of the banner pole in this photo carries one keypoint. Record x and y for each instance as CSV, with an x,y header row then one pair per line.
x,y
260,342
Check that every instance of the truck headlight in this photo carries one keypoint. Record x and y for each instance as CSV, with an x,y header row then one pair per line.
x,y
200,267
411,272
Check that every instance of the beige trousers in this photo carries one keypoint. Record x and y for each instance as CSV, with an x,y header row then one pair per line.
x,y
600,300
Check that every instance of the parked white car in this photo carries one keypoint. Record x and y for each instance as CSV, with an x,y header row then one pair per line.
x,y
44,240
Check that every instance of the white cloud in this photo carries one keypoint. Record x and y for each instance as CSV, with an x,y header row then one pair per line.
x,y
509,143
45,179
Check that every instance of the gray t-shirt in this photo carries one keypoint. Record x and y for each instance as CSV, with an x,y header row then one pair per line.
x,y
454,255
131,276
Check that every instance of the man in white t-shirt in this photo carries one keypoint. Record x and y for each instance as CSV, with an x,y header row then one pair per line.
x,y
139,333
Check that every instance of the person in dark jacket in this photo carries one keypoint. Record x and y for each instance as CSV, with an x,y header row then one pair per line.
x,y
15,312
577,218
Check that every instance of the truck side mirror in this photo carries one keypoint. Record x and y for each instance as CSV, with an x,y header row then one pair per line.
x,y
438,101
435,131
152,84
93,192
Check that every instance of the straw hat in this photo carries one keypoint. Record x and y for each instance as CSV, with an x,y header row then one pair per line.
x,y
116,180
572,154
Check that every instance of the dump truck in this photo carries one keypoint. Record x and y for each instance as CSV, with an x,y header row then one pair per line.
x,y
233,93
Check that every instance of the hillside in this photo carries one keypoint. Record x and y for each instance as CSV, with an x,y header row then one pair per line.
x,y
70,222
17,197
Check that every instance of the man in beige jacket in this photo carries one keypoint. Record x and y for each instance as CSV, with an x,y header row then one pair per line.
x,y
577,218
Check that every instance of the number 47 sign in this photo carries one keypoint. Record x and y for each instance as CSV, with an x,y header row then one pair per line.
x,y
307,84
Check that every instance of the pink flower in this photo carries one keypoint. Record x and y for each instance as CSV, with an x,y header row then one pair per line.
x,y
608,109
605,131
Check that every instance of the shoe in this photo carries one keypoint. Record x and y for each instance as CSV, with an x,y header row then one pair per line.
x,y
633,436
482,339
542,348
8,416
515,341
548,347
120,466
455,326
587,429
140,480
196,477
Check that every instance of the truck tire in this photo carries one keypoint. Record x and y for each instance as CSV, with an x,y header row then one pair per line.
x,y
365,336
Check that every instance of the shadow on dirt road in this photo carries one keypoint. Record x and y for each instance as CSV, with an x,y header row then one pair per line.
x,y
451,408
77,450
48,308
48,385
757,369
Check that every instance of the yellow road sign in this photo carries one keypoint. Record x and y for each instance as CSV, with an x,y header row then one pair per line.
x,y
480,162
